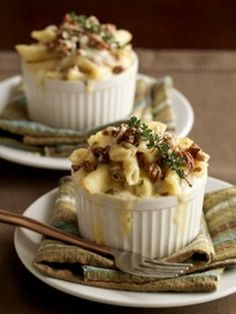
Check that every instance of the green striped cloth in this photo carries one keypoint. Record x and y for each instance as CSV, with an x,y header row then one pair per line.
x,y
152,102
211,252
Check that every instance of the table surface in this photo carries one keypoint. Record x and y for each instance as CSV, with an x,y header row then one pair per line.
x,y
208,80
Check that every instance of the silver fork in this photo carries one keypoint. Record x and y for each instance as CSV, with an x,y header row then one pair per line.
x,y
129,262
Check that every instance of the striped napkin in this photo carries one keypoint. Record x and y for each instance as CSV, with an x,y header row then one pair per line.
x,y
152,102
211,252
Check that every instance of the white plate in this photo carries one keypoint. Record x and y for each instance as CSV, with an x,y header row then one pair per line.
x,y
181,106
26,244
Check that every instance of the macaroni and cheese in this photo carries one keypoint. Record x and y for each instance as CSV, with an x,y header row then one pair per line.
x,y
79,49
138,160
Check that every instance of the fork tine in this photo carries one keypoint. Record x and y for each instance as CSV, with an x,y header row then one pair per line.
x,y
161,269
146,269
167,265
139,265
164,263
155,274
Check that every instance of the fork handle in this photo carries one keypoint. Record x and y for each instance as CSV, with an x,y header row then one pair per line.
x,y
46,230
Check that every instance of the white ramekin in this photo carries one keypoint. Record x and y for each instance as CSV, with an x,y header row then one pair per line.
x,y
73,105
156,227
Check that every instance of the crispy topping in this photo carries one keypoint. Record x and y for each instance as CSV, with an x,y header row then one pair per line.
x,y
117,69
101,154
78,30
141,159
96,41
75,167
120,132
154,172
197,169
164,194
151,154
128,135
88,166
105,132
114,133
188,159
196,152
110,131
200,156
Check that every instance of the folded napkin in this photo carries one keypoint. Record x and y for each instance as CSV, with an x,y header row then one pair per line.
x,y
212,251
152,102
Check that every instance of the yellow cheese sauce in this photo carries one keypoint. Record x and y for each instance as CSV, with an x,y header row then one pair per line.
x,y
97,226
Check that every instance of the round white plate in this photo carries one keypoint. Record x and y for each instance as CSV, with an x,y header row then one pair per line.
x,y
26,244
181,107
29,159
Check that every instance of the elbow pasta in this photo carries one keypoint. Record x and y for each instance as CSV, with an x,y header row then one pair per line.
x,y
101,139
46,35
78,156
171,185
149,156
145,188
89,68
129,162
73,74
35,53
97,181
44,66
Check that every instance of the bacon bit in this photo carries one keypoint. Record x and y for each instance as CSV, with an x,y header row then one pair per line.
x,y
105,132
101,154
195,151
129,136
88,166
110,131
141,159
114,133
96,41
117,172
117,69
197,169
164,194
154,172
188,159
119,133
200,156
75,167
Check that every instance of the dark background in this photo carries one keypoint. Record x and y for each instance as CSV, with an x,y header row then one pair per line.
x,y
159,24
